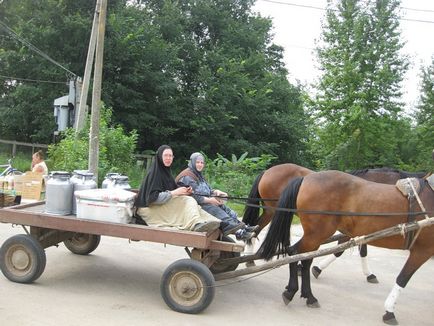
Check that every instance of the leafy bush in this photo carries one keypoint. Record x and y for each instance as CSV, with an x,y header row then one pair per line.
x,y
116,149
236,175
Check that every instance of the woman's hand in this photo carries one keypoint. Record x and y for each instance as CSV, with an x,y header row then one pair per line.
x,y
219,193
182,191
213,201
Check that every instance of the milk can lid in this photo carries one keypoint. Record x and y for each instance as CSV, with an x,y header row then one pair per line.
x,y
111,175
120,178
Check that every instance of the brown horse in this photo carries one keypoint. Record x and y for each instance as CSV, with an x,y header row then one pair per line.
x,y
270,184
334,191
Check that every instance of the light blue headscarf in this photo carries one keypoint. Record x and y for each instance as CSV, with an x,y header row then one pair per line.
x,y
192,164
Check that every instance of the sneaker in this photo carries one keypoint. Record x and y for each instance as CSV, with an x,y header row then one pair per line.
x,y
231,229
206,226
253,228
244,235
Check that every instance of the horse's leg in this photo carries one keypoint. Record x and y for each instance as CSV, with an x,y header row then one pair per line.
x,y
310,241
416,259
306,291
264,219
292,287
363,251
250,249
325,262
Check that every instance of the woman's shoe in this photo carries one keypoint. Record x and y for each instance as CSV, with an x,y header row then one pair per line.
x,y
244,235
231,229
253,228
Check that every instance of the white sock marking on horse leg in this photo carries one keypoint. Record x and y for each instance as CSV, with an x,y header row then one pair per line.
x,y
249,249
365,266
390,302
326,261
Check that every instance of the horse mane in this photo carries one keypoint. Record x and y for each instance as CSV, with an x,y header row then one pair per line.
x,y
402,174
358,172
382,169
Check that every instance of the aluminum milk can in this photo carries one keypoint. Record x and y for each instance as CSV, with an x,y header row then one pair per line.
x,y
58,193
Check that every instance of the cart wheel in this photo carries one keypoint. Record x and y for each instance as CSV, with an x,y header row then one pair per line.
x,y
187,286
220,268
82,243
22,259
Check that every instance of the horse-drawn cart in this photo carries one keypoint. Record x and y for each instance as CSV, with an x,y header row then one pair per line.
x,y
187,285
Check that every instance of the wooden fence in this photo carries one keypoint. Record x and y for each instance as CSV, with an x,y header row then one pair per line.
x,y
143,159
17,143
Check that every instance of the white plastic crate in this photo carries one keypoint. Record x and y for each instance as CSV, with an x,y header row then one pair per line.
x,y
109,205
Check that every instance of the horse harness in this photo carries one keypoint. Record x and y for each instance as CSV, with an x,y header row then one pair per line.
x,y
411,187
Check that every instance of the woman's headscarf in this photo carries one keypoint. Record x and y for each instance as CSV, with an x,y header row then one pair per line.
x,y
192,165
158,179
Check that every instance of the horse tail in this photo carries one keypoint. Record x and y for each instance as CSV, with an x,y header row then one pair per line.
x,y
278,236
251,214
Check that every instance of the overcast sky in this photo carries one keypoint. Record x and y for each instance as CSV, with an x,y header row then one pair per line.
x,y
297,24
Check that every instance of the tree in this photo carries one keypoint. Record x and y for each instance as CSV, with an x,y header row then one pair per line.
x,y
220,85
58,29
358,103
200,75
424,145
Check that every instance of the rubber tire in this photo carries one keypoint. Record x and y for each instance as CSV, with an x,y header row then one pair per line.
x,y
183,275
217,268
82,243
27,249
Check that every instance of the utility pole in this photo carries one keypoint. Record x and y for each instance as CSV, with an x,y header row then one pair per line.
x,y
80,112
96,93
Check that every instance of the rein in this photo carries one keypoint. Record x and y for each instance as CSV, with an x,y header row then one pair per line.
x,y
239,200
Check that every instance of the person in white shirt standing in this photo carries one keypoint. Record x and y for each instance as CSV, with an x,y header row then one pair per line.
x,y
38,163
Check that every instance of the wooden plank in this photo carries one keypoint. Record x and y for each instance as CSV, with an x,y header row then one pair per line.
x,y
32,215
226,246
128,231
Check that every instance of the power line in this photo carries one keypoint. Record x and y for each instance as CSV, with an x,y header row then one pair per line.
x,y
32,80
34,48
293,4
414,9
323,9
417,20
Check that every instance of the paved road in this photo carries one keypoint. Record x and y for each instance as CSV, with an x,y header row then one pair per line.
x,y
118,284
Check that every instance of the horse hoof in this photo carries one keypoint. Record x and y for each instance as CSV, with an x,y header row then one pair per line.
x,y
372,279
316,271
314,304
250,264
287,297
389,318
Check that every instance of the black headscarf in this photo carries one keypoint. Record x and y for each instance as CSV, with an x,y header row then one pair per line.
x,y
158,179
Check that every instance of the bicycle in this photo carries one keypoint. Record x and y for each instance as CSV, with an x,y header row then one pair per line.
x,y
9,169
